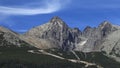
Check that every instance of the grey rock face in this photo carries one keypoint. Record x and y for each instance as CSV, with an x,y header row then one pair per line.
x,y
56,31
96,36
93,36
116,49
111,42
57,34
106,28
112,45
9,38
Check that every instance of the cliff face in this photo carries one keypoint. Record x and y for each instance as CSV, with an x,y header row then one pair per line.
x,y
96,36
112,45
57,32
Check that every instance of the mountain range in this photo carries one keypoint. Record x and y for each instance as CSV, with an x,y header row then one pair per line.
x,y
57,34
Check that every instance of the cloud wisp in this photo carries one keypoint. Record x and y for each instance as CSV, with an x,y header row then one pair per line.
x,y
46,8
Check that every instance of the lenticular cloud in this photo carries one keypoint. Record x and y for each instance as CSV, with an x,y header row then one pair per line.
x,y
46,8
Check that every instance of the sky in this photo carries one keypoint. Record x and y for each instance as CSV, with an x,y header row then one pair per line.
x,y
22,15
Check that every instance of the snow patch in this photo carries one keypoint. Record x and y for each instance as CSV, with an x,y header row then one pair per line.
x,y
82,43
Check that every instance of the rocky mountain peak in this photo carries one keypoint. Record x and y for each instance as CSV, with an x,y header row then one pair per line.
x,y
87,31
57,21
76,30
105,24
87,28
56,31
106,28
55,18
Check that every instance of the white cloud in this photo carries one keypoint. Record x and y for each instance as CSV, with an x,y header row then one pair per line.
x,y
48,6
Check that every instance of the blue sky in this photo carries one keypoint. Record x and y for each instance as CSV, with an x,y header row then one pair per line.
x,y
22,15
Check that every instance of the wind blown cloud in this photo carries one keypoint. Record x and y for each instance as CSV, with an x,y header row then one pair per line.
x,y
45,8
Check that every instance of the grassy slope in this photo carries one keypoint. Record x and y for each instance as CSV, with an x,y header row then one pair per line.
x,y
94,57
99,58
20,58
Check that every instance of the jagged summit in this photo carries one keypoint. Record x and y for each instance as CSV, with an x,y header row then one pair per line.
x,y
57,32
55,18
57,21
105,24
109,24
106,27
87,28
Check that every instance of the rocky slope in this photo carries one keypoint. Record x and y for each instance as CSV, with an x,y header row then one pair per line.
x,y
112,45
8,38
96,36
57,34
54,34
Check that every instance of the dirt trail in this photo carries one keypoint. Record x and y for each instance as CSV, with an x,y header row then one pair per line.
x,y
62,58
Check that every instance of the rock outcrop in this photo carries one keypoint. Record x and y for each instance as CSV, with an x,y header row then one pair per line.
x,y
55,33
111,46
96,36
